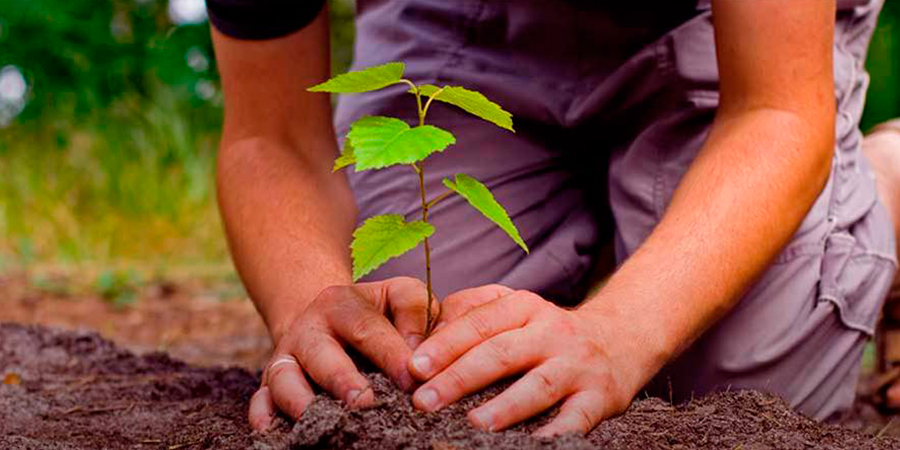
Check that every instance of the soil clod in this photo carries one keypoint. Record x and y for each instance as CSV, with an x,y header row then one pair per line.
x,y
76,390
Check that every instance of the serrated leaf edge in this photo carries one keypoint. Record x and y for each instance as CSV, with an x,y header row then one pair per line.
x,y
450,184
346,158
357,275
388,143
441,90
320,87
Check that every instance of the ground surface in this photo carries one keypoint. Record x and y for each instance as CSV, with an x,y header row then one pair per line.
x,y
74,390
201,321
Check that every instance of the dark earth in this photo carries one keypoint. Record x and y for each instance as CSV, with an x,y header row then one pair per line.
x,y
75,390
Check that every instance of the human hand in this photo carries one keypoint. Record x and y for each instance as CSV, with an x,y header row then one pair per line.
x,y
492,332
314,345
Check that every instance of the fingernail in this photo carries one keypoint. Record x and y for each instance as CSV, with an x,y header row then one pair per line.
x,y
413,341
483,419
352,396
428,398
422,364
263,425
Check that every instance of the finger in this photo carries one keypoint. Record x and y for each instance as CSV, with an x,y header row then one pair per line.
x,y
287,389
262,409
407,302
580,413
326,362
375,337
496,358
474,327
532,394
893,396
461,302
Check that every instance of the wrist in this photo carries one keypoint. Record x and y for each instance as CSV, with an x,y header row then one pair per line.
x,y
640,338
280,321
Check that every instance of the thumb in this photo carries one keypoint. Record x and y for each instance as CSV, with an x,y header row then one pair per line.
x,y
407,302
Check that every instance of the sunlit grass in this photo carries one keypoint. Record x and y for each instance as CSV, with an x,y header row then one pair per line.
x,y
134,183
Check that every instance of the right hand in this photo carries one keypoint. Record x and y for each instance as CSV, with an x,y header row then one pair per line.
x,y
313,345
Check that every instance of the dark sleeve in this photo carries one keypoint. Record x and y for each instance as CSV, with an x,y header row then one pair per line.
x,y
262,19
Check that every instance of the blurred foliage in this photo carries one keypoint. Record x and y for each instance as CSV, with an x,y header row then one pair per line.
x,y
112,157
81,55
883,64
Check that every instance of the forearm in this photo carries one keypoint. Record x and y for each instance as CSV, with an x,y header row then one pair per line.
x,y
767,158
287,216
740,202
288,224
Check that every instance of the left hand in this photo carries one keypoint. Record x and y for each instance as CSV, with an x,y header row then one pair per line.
x,y
492,332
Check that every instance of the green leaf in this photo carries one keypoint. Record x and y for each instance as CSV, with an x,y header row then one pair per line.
x,y
481,198
381,238
347,157
473,102
364,80
384,141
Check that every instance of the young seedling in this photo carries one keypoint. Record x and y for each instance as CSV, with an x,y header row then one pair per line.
x,y
376,142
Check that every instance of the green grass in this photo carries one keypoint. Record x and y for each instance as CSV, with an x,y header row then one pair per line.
x,y
110,167
132,183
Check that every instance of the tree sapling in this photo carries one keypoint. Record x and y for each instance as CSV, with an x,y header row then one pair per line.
x,y
376,142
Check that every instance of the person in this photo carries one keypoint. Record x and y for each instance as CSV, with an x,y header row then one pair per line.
x,y
717,142
882,148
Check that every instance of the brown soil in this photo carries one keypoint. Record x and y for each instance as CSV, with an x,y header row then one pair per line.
x,y
201,321
74,390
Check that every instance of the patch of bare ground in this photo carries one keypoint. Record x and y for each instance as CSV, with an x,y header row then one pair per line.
x,y
75,390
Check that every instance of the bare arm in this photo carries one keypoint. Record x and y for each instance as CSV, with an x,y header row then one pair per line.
x,y
767,158
764,164
288,218
289,221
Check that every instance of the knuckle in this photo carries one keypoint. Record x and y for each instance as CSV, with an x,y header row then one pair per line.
x,y
501,354
480,324
309,350
546,384
611,393
414,282
362,329
497,290
277,371
529,299
586,419
339,381
331,292
567,371
455,380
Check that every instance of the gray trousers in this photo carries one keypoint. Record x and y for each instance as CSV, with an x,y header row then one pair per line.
x,y
611,104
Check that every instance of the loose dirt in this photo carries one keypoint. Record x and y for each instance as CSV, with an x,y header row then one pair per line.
x,y
195,319
75,390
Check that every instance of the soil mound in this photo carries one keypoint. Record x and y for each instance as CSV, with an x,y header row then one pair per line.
x,y
75,390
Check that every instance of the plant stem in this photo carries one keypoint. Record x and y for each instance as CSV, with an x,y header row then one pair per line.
x,y
429,319
437,199
431,99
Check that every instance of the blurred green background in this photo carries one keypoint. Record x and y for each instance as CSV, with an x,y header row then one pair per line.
x,y
109,121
